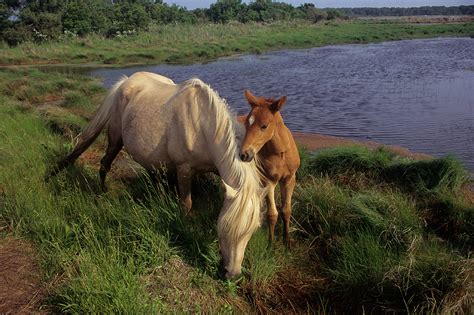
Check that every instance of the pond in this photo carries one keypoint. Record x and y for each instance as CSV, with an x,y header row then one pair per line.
x,y
418,94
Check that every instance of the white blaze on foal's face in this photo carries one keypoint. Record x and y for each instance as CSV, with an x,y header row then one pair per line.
x,y
251,120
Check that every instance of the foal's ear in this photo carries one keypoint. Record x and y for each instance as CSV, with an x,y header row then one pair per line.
x,y
252,99
277,105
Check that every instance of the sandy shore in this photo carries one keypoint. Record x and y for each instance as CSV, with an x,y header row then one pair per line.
x,y
316,141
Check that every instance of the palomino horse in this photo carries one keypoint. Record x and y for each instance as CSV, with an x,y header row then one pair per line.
x,y
186,127
267,136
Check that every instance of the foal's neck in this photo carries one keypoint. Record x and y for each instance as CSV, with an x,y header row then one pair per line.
x,y
279,143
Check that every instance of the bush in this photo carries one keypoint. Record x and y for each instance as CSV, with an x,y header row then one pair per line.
x,y
225,10
312,13
87,17
165,14
333,14
42,25
380,165
129,17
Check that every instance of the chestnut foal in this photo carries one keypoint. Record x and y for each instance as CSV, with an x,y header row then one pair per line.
x,y
267,136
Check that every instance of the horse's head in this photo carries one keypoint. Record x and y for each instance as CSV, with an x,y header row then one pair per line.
x,y
239,218
260,124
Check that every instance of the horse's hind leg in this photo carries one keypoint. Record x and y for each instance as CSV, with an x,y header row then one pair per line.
x,y
287,187
115,144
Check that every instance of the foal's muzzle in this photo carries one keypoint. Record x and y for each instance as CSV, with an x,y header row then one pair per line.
x,y
247,156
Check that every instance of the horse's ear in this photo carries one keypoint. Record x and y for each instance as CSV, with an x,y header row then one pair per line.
x,y
229,191
253,101
277,105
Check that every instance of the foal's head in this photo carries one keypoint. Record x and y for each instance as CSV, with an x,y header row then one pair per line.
x,y
260,124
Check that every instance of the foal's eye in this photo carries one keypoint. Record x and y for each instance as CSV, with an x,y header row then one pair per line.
x,y
263,127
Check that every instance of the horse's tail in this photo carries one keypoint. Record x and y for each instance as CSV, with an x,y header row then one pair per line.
x,y
93,129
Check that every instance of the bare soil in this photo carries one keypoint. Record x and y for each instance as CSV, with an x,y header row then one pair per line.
x,y
21,291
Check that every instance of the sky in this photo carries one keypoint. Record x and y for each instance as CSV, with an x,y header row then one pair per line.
x,y
192,4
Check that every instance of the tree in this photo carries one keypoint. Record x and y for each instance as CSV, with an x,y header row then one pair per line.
x,y
225,10
166,14
129,16
88,16
311,13
333,14
4,15
42,25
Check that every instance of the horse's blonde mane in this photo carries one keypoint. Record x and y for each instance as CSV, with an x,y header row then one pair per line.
x,y
243,213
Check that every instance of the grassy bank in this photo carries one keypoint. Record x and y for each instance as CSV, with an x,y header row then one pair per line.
x,y
192,43
374,232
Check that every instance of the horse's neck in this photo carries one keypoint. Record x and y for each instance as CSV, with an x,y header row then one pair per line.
x,y
280,142
222,147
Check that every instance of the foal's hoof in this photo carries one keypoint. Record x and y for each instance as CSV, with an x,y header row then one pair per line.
x,y
289,244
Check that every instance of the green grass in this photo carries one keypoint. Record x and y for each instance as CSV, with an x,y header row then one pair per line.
x,y
192,43
390,231
374,231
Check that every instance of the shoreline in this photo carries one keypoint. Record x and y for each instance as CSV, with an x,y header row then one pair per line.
x,y
317,141
48,65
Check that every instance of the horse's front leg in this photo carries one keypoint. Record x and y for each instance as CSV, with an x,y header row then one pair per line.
x,y
287,186
185,174
272,212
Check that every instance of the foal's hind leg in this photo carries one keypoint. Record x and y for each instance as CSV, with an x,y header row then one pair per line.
x,y
287,187
115,144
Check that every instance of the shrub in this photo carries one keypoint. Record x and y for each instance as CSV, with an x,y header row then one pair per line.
x,y
87,17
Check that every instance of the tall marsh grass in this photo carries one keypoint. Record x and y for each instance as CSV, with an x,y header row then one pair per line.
x,y
203,42
384,238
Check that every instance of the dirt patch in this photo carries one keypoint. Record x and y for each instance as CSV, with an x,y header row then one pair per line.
x,y
315,141
20,283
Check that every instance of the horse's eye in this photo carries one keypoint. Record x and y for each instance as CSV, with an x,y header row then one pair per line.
x,y
263,127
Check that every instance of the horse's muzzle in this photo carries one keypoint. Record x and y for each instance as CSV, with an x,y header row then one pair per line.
x,y
247,156
231,275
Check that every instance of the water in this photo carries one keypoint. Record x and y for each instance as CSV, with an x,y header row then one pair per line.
x,y
418,94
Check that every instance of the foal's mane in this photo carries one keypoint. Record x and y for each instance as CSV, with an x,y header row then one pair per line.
x,y
243,213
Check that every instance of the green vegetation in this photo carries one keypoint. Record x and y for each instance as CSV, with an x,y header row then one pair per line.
x,y
141,31
399,11
49,19
374,231
190,43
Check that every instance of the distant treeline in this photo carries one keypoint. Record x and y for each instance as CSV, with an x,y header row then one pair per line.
x,y
23,20
427,10
34,20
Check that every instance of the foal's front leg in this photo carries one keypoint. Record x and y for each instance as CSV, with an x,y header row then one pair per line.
x,y
272,212
185,175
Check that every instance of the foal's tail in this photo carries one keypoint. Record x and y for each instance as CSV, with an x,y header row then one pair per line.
x,y
93,129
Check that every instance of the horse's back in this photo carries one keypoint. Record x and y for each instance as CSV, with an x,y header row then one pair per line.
x,y
144,117
161,121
